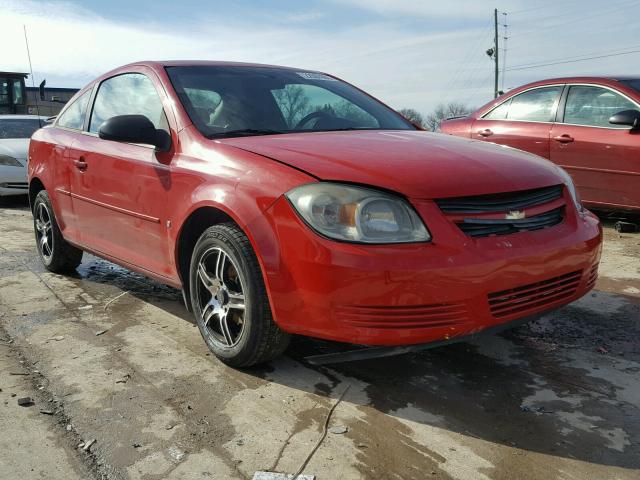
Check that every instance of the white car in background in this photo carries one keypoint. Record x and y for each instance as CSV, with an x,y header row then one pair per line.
x,y
15,133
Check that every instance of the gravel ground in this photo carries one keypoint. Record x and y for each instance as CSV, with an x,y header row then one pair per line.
x,y
556,399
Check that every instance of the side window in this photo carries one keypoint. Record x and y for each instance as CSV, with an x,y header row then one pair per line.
x,y
17,93
127,94
592,106
296,101
73,116
537,105
500,112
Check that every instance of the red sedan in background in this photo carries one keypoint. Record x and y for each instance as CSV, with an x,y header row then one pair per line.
x,y
590,126
285,201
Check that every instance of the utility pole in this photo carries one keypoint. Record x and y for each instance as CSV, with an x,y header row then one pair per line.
x,y
495,52
504,50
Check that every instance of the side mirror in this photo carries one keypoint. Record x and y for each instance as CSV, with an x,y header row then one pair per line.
x,y
630,118
41,89
134,129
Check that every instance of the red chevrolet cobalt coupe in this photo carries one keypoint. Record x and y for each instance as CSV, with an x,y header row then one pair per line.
x,y
284,201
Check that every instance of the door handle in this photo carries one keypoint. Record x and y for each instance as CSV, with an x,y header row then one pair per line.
x,y
563,138
485,133
80,164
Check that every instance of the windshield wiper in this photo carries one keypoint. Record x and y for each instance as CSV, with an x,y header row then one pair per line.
x,y
349,129
245,132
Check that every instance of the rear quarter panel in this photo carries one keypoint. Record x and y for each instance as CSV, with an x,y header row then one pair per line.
x,y
460,127
49,164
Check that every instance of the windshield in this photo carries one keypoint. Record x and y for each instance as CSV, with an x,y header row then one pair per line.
x,y
224,101
18,127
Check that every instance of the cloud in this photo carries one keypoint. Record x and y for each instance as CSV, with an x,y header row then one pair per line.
x,y
458,9
73,44
404,67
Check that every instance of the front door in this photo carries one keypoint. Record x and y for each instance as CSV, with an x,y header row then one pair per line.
x,y
119,189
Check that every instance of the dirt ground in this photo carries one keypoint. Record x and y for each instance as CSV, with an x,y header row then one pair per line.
x,y
110,356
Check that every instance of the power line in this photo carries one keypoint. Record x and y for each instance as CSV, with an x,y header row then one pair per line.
x,y
479,87
580,55
546,5
465,76
593,14
522,67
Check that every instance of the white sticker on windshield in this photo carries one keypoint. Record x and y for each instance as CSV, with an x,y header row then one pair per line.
x,y
316,76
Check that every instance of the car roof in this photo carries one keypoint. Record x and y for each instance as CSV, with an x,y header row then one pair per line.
x,y
623,78
606,80
207,63
584,79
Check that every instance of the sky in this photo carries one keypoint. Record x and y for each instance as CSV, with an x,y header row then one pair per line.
x,y
408,53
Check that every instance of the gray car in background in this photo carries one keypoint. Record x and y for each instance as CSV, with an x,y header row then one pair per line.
x,y
15,133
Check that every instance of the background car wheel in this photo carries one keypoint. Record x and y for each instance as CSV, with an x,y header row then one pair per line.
x,y
229,299
56,254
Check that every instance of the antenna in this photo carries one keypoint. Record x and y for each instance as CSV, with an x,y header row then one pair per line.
x,y
33,80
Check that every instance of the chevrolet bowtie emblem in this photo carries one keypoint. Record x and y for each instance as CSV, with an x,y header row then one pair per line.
x,y
515,215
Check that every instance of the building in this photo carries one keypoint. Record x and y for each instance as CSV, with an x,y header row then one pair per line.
x,y
17,98
54,100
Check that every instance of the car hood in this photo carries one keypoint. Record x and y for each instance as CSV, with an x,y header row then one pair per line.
x,y
414,163
14,147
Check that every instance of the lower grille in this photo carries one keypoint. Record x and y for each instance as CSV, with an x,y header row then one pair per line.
x,y
535,295
593,276
421,316
479,227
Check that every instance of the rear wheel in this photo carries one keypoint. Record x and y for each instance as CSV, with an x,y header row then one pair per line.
x,y
56,253
229,299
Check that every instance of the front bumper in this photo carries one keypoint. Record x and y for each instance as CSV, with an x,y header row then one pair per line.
x,y
417,293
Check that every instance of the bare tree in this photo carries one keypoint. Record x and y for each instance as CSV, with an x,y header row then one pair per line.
x,y
442,112
293,102
412,115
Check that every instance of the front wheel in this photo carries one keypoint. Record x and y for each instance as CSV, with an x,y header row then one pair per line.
x,y
56,253
229,299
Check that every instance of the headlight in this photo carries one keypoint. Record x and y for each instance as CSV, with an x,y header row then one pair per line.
x,y
568,181
9,161
357,214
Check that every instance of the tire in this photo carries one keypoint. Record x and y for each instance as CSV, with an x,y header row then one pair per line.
x,y
56,254
229,299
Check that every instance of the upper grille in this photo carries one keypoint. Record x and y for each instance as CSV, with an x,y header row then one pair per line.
x,y
479,227
534,296
500,202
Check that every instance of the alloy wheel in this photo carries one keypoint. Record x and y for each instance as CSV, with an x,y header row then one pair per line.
x,y
221,297
44,232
